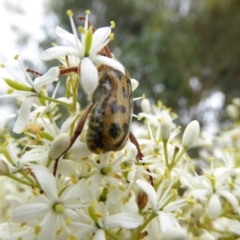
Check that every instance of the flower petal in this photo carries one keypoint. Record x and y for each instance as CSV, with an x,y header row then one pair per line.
x,y
97,59
99,235
126,220
58,51
214,207
167,221
48,227
46,181
28,212
50,76
68,37
89,76
231,199
100,39
23,115
234,226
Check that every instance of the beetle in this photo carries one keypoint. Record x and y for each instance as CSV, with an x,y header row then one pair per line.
x,y
111,115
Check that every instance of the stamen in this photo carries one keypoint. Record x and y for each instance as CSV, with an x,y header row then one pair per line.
x,y
69,13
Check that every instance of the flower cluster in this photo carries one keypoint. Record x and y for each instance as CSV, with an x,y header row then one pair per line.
x,y
54,187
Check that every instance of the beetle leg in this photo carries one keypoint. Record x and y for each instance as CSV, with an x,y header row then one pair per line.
x,y
34,72
76,133
139,154
135,142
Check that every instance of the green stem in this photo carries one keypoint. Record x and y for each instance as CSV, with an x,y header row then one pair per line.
x,y
49,161
111,235
14,177
173,163
166,153
75,95
149,219
54,100
27,176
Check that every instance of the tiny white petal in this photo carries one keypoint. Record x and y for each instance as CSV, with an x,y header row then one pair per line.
x,y
167,221
23,115
89,76
99,235
126,220
231,199
58,51
98,59
234,226
50,76
214,207
100,37
49,227
206,236
29,212
46,181
69,37
174,234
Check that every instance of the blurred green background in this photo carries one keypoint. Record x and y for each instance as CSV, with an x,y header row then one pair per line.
x,y
183,52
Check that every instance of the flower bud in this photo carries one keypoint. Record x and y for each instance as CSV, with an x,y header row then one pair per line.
x,y
190,134
146,106
4,169
196,213
165,127
236,101
134,83
174,234
206,236
59,146
232,111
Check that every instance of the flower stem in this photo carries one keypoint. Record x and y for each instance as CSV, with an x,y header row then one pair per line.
x,y
14,177
112,235
174,162
54,100
165,153
149,219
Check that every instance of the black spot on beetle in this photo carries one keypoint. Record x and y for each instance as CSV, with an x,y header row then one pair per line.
x,y
114,107
114,130
122,108
125,93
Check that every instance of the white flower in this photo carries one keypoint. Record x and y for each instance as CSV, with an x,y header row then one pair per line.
x,y
214,192
100,218
29,93
159,204
50,209
87,50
